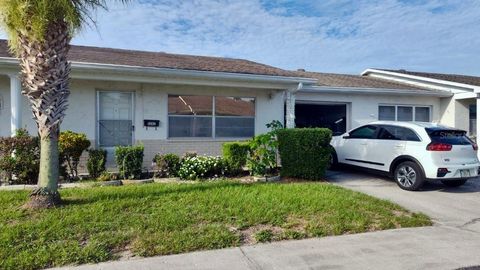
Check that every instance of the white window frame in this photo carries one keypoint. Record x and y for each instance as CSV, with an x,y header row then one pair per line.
x,y
214,116
414,107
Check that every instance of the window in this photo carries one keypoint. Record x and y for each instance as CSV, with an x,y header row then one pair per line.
x,y
190,116
386,113
404,113
454,137
207,116
397,133
365,132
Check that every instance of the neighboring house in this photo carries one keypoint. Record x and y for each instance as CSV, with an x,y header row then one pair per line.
x,y
179,103
459,110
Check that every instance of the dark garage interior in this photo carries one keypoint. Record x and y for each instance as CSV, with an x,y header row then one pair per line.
x,y
332,116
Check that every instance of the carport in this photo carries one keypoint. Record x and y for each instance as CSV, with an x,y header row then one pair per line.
x,y
325,115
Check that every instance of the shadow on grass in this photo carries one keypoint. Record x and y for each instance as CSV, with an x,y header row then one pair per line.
x,y
117,193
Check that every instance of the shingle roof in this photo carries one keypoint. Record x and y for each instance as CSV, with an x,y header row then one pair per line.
x,y
345,80
465,79
164,60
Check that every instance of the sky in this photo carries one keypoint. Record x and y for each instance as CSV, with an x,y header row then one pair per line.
x,y
339,36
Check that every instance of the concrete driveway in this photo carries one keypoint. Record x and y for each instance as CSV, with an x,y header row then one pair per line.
x,y
452,243
458,207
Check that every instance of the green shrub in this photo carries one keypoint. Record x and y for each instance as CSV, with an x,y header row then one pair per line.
x,y
201,167
166,165
97,158
25,163
236,153
71,146
305,152
262,158
129,161
104,176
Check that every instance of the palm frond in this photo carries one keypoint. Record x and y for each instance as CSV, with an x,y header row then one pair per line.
x,y
31,18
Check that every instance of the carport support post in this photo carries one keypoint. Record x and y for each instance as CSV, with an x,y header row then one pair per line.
x,y
290,105
478,122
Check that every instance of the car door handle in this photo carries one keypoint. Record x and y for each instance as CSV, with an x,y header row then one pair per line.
x,y
399,145
363,143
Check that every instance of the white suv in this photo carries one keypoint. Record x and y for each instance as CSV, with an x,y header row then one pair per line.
x,y
411,152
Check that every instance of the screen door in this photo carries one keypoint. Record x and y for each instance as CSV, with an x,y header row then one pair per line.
x,y
115,118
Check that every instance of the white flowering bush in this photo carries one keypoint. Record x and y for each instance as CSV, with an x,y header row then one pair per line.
x,y
202,167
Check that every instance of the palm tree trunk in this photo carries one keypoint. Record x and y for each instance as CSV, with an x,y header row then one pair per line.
x,y
49,165
45,78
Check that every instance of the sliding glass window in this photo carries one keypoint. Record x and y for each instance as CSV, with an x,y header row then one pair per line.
x,y
211,117
234,117
190,116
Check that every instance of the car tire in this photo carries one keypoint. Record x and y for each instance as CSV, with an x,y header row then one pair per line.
x,y
333,163
409,176
454,183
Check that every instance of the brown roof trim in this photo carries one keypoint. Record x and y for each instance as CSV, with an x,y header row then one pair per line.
x,y
356,81
98,55
456,78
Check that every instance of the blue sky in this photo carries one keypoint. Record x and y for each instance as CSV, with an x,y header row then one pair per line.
x,y
342,36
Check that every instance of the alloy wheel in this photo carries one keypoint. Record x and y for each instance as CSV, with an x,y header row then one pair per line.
x,y
406,176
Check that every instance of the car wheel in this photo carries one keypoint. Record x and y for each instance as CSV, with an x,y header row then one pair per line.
x,y
409,176
454,183
333,163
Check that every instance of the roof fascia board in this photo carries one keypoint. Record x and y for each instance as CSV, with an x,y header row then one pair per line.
x,y
424,81
82,70
466,95
383,91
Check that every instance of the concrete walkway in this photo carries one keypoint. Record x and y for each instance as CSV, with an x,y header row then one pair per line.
x,y
453,242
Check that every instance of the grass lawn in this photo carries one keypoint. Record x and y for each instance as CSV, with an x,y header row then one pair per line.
x,y
107,223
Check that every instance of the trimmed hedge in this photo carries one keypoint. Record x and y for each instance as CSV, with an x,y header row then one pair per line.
x,y
167,165
304,153
25,164
97,158
129,161
236,153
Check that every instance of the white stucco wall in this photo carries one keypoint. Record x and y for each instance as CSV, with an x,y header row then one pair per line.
x,y
363,108
150,103
456,113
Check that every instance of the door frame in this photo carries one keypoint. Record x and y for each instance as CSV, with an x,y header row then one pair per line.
x,y
97,115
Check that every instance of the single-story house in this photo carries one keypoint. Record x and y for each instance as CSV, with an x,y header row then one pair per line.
x,y
180,103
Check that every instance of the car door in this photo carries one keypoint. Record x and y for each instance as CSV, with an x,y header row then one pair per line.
x,y
352,148
390,143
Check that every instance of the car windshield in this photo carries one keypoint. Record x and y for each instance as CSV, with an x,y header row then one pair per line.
x,y
454,137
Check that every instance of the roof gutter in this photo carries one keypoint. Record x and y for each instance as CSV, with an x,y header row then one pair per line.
x,y
382,91
170,72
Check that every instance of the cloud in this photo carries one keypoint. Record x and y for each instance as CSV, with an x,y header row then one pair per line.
x,y
330,35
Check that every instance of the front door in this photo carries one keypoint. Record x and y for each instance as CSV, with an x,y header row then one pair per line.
x,y
115,119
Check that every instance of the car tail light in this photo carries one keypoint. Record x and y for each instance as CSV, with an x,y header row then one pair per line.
x,y
475,146
439,147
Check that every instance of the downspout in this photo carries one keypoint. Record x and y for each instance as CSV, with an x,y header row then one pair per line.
x,y
290,105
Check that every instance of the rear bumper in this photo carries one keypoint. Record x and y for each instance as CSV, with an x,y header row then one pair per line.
x,y
456,172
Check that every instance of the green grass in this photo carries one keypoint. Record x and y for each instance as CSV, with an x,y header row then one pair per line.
x,y
105,223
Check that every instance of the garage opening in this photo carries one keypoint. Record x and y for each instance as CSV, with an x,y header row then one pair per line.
x,y
332,116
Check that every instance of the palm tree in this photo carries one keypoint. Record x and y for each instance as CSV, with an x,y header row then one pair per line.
x,y
39,33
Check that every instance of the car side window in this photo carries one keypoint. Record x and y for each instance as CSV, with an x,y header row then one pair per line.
x,y
397,133
366,132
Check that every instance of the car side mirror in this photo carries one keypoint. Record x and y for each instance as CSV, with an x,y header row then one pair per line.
x,y
346,136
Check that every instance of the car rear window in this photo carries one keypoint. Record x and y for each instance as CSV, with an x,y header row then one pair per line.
x,y
454,137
